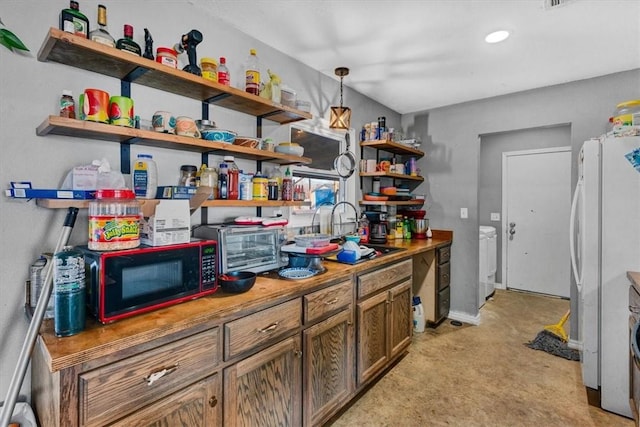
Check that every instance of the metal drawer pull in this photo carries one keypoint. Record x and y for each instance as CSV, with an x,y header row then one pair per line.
x,y
333,301
297,353
213,401
155,376
269,328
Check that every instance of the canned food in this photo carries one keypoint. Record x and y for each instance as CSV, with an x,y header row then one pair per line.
x,y
114,221
260,191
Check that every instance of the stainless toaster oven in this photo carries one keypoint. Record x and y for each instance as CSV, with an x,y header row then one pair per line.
x,y
247,248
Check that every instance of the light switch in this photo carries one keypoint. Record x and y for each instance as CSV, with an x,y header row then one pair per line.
x,y
464,213
495,216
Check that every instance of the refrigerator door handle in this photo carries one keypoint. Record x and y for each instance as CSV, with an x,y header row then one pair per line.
x,y
572,235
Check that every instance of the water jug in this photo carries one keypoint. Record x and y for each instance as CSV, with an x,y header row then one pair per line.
x,y
418,316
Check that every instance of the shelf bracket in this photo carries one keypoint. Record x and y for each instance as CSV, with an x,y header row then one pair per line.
x,y
134,74
216,98
125,155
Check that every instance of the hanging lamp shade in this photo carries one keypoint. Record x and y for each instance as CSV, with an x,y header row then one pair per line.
x,y
340,116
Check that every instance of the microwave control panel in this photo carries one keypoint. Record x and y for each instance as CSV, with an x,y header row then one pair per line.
x,y
208,259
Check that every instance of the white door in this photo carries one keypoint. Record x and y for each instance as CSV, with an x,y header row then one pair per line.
x,y
536,202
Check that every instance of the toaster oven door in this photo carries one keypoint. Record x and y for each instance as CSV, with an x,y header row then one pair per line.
x,y
256,250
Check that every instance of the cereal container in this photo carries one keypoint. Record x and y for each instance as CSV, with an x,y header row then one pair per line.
x,y
114,220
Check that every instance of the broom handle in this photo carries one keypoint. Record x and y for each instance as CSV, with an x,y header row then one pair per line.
x,y
34,326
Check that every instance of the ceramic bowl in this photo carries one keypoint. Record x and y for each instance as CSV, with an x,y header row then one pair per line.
x,y
219,135
237,281
288,148
352,238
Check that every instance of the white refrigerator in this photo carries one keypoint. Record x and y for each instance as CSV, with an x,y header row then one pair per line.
x,y
605,244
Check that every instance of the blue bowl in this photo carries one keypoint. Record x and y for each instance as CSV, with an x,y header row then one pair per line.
x,y
219,135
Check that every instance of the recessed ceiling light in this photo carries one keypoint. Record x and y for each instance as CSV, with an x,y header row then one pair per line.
x,y
497,36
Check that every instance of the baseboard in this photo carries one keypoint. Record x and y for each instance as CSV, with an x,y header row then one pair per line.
x,y
575,344
500,286
464,317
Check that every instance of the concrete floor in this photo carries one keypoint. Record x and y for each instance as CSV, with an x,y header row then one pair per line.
x,y
483,376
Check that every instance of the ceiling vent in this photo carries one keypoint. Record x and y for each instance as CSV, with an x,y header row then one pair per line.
x,y
553,4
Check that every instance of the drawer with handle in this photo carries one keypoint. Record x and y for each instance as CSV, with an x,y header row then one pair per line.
x,y
444,254
370,283
260,328
112,391
324,301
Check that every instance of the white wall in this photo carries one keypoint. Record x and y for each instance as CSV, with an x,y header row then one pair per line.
x,y
30,90
451,140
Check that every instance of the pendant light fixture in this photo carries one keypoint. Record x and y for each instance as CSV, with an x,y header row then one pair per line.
x,y
340,116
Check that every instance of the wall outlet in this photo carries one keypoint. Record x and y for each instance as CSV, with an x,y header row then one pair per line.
x,y
464,213
495,216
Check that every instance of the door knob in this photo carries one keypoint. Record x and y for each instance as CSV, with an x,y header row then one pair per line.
x,y
512,230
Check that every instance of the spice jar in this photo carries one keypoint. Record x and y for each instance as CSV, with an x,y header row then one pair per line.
x,y
67,105
209,68
167,56
114,220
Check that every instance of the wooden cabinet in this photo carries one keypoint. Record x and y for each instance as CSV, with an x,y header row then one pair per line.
x,y
432,277
396,148
384,318
328,357
122,388
264,389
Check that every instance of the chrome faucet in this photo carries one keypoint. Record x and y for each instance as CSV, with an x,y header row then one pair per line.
x,y
355,210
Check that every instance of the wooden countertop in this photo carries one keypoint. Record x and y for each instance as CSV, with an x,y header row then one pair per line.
x,y
99,340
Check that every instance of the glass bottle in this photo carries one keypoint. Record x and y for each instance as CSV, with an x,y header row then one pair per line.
x,y
252,73
287,186
233,175
101,34
73,21
127,44
406,229
223,72
223,179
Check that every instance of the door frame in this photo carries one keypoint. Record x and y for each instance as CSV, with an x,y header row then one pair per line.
x,y
505,156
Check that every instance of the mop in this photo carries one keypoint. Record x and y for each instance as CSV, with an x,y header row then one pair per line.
x,y
553,340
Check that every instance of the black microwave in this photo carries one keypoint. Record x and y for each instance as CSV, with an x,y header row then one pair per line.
x,y
127,282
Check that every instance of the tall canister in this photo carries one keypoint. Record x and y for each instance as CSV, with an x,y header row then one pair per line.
x,y
418,315
69,292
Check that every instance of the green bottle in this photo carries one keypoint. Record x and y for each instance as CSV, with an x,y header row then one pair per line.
x,y
73,21
406,229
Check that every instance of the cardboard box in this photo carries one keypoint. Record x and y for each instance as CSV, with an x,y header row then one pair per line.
x,y
175,192
167,222
24,191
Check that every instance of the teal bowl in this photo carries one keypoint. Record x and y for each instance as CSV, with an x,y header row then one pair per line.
x,y
219,135
352,238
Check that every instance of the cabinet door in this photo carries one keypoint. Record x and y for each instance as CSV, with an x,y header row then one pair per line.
x,y
265,389
328,366
373,342
198,405
443,303
401,319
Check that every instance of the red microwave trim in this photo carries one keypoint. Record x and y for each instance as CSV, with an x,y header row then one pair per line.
x,y
102,318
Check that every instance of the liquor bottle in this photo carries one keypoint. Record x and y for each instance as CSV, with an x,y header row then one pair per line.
x,y
252,73
101,34
73,21
127,44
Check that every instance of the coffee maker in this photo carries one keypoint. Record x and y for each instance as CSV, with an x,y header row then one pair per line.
x,y
377,226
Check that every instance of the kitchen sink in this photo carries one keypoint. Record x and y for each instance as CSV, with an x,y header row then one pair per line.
x,y
383,249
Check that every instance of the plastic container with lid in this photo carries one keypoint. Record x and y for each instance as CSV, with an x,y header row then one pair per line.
x,y
260,187
209,67
167,56
145,177
114,220
626,114
252,73
209,178
67,105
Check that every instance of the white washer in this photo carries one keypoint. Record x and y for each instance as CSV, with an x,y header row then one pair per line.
x,y
492,256
482,276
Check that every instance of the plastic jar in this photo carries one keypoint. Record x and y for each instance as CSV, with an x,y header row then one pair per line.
x,y
145,177
260,187
626,114
69,292
209,178
167,56
209,68
114,220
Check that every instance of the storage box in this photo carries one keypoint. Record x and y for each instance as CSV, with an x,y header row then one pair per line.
x,y
175,192
23,190
167,222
